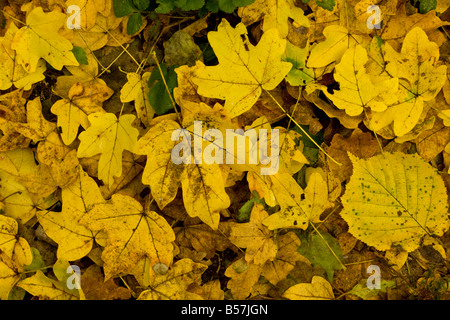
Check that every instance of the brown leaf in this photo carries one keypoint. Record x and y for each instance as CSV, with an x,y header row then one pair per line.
x,y
204,239
95,287
361,144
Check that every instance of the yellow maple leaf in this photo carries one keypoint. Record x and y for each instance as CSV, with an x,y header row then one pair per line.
x,y
74,111
244,70
86,74
243,276
61,161
18,202
202,184
318,289
287,256
14,254
47,289
74,240
255,237
36,128
36,178
136,89
338,40
356,88
132,234
275,13
394,199
88,12
40,39
420,80
174,284
109,137
11,72
297,213
160,172
12,109
106,31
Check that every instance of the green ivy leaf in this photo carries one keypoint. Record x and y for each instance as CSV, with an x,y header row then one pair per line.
x,y
427,5
246,209
314,248
134,23
122,8
212,6
165,6
158,96
80,55
188,5
326,4
142,4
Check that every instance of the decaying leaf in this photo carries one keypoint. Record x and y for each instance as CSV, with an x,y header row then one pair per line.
x,y
14,254
133,233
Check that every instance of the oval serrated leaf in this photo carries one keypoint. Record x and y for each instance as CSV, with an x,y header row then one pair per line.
x,y
394,199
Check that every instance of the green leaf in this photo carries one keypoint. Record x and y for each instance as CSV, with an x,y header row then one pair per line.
x,y
122,8
165,6
363,292
299,75
212,6
246,209
37,263
209,57
427,5
158,96
326,4
16,293
316,249
310,150
226,6
134,23
142,4
188,5
242,3
80,55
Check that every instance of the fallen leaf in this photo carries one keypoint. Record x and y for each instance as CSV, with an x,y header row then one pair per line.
x,y
136,89
73,112
407,205
14,254
41,40
47,289
74,240
95,288
255,237
318,289
244,70
275,14
133,233
173,285
108,136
